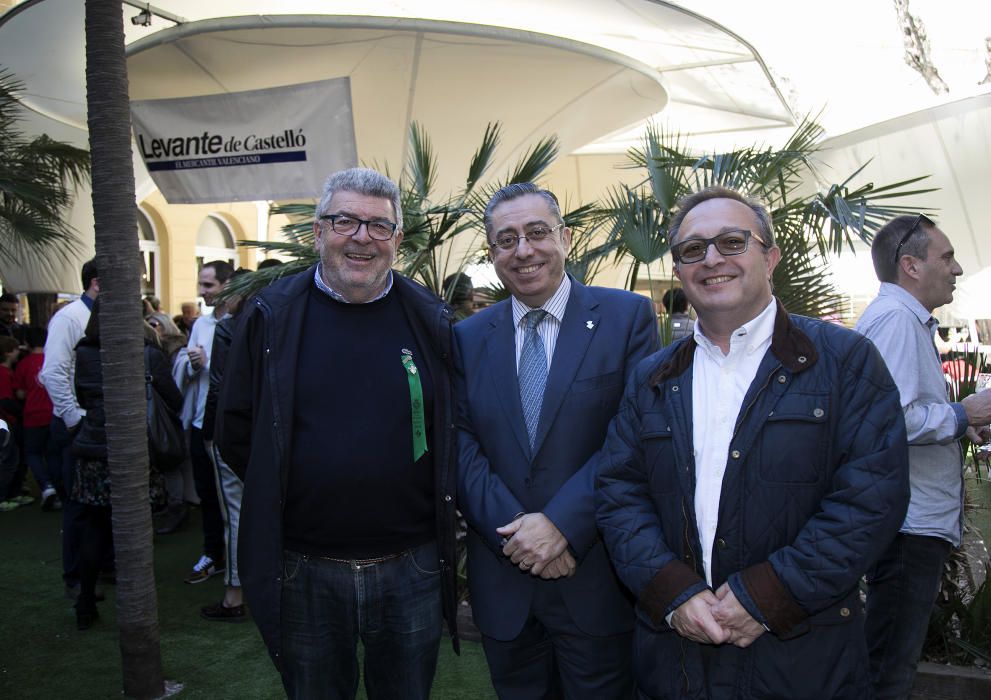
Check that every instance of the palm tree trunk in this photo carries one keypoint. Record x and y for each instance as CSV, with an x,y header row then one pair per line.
x,y
122,340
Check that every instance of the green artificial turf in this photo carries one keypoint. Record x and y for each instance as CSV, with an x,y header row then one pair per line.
x,y
42,655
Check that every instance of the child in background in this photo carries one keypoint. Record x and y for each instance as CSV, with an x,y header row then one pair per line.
x,y
40,451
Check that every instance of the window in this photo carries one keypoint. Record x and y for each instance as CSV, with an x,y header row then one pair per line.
x,y
214,241
150,254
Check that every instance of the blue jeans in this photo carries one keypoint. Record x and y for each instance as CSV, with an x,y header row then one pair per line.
x,y
902,588
392,606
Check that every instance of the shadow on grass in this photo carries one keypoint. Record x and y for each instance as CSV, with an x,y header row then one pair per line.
x,y
42,655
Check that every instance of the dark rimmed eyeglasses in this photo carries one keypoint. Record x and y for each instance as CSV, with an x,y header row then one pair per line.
x,y
733,242
378,229
509,241
912,229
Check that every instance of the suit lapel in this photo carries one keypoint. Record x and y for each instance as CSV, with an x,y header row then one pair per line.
x,y
569,352
501,351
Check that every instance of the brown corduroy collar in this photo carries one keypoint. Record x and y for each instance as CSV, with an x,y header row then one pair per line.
x,y
789,344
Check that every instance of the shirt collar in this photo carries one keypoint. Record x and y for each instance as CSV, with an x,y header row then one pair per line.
x,y
86,300
337,296
554,306
751,337
905,298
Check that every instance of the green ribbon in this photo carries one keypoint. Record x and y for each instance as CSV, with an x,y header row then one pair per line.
x,y
416,405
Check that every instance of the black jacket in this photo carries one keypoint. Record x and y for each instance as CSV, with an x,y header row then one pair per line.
x,y
254,420
91,440
223,334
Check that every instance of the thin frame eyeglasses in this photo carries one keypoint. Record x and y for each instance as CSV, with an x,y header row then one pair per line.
x,y
344,225
507,242
908,234
727,243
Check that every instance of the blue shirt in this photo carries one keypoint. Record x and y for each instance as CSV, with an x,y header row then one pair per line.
x,y
903,331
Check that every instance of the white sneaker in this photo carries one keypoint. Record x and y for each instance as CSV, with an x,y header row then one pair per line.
x,y
48,498
203,570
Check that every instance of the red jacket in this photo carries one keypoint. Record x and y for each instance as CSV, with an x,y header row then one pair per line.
x,y
37,405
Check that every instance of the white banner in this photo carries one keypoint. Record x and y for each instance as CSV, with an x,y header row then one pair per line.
x,y
278,143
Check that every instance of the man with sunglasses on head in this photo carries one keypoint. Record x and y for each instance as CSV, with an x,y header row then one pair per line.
x,y
915,263
541,376
337,411
754,472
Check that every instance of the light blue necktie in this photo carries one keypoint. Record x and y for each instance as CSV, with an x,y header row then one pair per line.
x,y
532,372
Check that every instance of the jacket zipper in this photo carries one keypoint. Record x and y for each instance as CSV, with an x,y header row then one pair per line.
x,y
266,312
746,411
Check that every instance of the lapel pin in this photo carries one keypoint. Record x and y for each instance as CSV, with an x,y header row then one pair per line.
x,y
589,325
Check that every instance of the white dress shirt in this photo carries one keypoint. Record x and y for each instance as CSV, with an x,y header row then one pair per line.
x,y
549,328
719,385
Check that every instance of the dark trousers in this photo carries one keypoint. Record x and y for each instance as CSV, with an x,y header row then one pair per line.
x,y
552,658
902,588
206,489
96,542
43,456
73,513
392,606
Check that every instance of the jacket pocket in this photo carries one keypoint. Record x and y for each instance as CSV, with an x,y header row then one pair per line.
x,y
291,564
658,447
794,440
602,381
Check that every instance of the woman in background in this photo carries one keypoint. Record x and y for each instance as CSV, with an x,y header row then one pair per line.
x,y
92,484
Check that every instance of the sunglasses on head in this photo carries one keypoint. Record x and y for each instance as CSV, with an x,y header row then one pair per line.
x,y
912,229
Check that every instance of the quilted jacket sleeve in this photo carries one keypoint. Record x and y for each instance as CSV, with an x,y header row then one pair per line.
x,y
858,517
630,525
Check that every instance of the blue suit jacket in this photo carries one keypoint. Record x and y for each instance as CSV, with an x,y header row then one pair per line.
x,y
604,334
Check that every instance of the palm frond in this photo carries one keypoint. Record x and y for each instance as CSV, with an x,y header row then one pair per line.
x,y
482,158
838,214
809,226
638,224
420,174
535,161
801,280
247,285
300,227
37,177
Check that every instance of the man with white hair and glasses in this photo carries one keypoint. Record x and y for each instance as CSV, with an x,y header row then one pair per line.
x,y
337,412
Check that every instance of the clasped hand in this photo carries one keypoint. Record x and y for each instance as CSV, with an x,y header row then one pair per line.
x,y
716,618
534,543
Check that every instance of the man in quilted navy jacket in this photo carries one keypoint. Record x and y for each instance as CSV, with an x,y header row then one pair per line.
x,y
754,472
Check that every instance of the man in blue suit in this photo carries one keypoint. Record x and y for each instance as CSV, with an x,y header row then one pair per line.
x,y
541,375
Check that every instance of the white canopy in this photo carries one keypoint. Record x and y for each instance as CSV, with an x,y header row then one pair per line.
x,y
592,72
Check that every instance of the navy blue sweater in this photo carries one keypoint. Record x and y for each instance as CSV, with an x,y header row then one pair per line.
x,y
354,490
